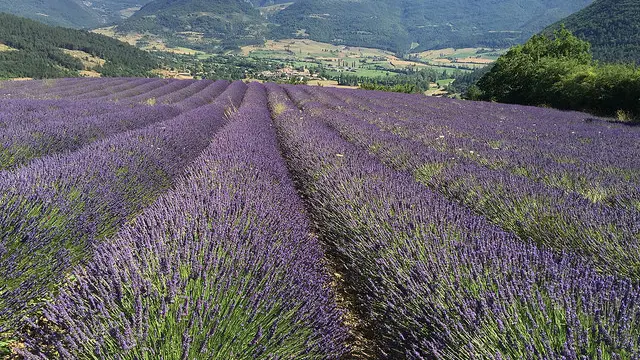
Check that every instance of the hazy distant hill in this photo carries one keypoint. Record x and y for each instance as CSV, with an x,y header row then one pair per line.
x,y
70,13
376,23
611,26
396,24
203,23
32,49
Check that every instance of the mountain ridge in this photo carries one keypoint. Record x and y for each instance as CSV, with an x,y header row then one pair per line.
x,y
455,23
395,25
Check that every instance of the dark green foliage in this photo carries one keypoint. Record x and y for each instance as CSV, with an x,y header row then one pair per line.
x,y
395,25
400,88
38,65
405,81
187,7
54,12
558,71
611,26
222,67
465,82
40,52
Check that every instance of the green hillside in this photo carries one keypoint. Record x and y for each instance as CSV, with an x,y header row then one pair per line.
x,y
202,24
399,24
70,13
372,23
611,26
396,25
38,51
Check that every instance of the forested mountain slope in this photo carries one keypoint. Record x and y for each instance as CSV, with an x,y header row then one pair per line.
x,y
611,26
37,50
207,24
399,24
396,25
70,13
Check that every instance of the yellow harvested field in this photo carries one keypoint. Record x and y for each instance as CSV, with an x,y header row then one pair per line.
x,y
131,39
302,48
4,47
403,63
88,61
468,58
168,74
273,9
329,83
313,47
125,13
471,60
176,50
154,43
434,54
89,73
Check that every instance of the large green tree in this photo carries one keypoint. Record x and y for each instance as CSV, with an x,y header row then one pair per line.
x,y
526,73
559,71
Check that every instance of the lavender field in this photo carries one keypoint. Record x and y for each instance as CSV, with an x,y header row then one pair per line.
x,y
183,219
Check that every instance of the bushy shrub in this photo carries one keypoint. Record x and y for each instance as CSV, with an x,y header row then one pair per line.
x,y
559,71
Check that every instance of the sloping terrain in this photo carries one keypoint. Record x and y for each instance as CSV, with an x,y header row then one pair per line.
x,y
400,25
209,24
45,52
71,13
268,221
611,26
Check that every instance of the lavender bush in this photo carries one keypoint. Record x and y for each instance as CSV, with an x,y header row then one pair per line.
x,y
223,266
165,219
30,134
605,233
434,280
55,210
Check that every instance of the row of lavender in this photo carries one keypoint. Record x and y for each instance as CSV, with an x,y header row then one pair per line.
x,y
160,91
603,232
36,128
58,126
429,277
57,209
223,266
568,150
59,88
